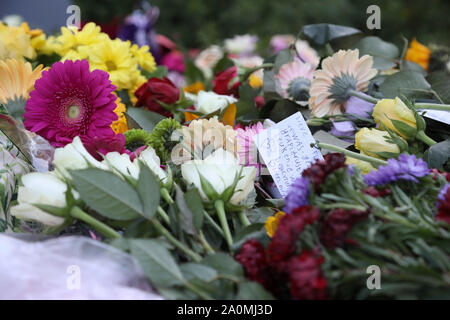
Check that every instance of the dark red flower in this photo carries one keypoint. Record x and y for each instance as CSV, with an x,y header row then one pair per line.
x,y
98,146
337,224
443,205
227,82
253,258
435,172
374,192
318,171
157,90
305,277
288,231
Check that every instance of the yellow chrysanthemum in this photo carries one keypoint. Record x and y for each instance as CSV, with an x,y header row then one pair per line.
x,y
114,57
73,39
120,125
17,79
272,223
15,43
143,56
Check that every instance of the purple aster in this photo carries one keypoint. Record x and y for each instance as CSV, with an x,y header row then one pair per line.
x,y
298,195
407,167
441,196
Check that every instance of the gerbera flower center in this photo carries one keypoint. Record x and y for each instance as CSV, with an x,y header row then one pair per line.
x,y
341,87
111,65
73,112
299,89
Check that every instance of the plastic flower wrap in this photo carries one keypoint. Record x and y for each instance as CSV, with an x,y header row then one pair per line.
x,y
13,166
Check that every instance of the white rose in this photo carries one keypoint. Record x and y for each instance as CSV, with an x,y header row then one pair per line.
x,y
220,169
121,164
208,102
74,156
40,188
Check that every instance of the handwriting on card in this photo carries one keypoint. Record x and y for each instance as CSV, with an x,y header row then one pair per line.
x,y
286,150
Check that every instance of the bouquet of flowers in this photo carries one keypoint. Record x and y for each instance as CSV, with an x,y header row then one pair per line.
x,y
160,161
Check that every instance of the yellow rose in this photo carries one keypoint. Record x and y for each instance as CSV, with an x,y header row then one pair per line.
x,y
365,166
374,141
395,115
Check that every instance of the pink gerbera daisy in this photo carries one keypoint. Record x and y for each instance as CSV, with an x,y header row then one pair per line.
x,y
247,150
69,101
295,79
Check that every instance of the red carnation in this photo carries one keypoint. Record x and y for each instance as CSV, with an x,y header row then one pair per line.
x,y
318,171
253,258
288,231
305,277
337,224
227,82
157,90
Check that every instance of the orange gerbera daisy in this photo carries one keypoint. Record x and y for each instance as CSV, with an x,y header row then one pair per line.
x,y
17,79
341,74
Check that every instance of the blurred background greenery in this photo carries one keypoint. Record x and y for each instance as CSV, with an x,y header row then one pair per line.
x,y
200,23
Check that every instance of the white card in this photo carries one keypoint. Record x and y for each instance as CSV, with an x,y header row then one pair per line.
x,y
286,150
438,115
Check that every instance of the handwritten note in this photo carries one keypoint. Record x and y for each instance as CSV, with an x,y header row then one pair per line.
x,y
286,150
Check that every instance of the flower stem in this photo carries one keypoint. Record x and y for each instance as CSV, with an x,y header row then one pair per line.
x,y
352,154
163,215
94,223
432,106
205,243
364,97
166,196
194,256
244,220
223,221
424,138
213,223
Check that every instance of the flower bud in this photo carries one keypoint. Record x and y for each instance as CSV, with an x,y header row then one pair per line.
x,y
377,143
395,115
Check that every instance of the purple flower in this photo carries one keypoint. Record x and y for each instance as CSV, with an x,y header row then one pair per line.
x,y
344,130
359,107
298,195
441,196
407,167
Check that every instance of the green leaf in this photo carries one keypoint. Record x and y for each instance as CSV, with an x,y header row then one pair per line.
x,y
271,87
148,190
160,72
323,33
199,271
195,204
146,119
186,217
384,53
283,57
440,83
249,290
223,64
408,83
193,73
157,263
107,194
224,264
283,109
437,155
